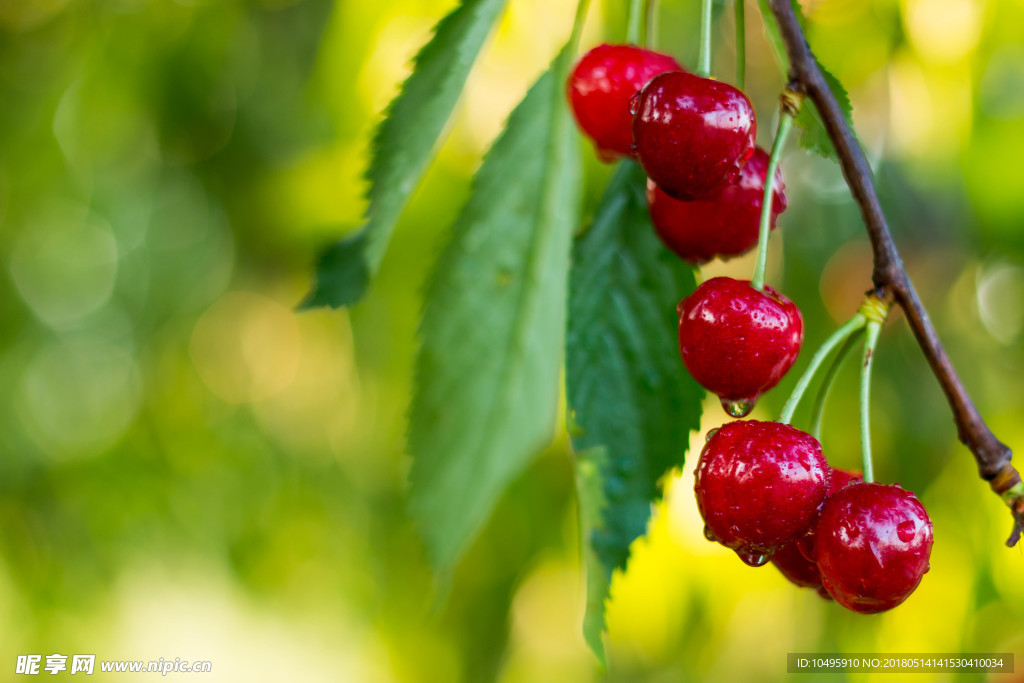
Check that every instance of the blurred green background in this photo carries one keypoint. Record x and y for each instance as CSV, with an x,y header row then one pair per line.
x,y
189,468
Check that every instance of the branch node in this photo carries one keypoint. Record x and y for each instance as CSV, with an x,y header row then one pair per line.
x,y
877,304
791,99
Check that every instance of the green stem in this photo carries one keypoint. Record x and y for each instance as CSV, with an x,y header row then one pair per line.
x,y
1014,492
574,38
635,23
704,65
785,124
818,411
852,325
741,43
650,34
870,342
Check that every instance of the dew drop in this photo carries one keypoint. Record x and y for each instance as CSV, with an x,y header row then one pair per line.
x,y
679,306
906,531
709,534
634,103
711,434
755,559
740,408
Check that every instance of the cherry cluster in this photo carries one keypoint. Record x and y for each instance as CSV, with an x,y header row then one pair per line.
x,y
694,138
764,489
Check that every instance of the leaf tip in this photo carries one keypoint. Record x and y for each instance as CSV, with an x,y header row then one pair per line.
x,y
342,275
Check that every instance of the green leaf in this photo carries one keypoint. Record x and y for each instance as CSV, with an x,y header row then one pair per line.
x,y
402,148
813,135
628,391
590,492
486,394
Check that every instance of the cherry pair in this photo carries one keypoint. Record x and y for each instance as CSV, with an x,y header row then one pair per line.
x,y
765,490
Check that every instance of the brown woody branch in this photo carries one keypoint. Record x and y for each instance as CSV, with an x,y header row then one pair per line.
x,y
890,276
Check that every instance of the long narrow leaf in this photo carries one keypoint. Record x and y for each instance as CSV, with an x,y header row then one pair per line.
x,y
402,148
628,390
493,326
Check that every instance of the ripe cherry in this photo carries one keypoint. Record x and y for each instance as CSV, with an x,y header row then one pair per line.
x,y
798,569
600,88
791,560
723,225
737,341
873,545
758,486
840,480
692,134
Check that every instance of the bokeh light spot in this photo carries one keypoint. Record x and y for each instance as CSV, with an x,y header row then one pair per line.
x,y
65,264
246,347
78,398
1000,297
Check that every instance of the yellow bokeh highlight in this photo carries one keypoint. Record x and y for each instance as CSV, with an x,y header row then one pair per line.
x,y
246,347
944,31
930,108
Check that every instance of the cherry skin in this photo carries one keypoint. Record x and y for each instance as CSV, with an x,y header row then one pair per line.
x,y
873,544
600,88
790,558
738,342
692,134
798,569
724,225
840,480
758,486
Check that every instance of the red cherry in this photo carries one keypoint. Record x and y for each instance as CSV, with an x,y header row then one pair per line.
x,y
840,480
692,134
795,567
792,559
724,225
758,486
738,342
600,88
873,545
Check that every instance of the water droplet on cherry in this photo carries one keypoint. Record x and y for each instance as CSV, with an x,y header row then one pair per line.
x,y
740,408
755,559
906,531
711,434
709,534
634,105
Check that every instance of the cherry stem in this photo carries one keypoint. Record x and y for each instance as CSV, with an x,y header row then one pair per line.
x,y
704,65
741,43
634,26
849,327
818,411
870,342
805,74
574,39
650,34
785,124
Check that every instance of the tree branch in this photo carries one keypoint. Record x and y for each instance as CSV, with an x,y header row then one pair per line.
x,y
890,276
